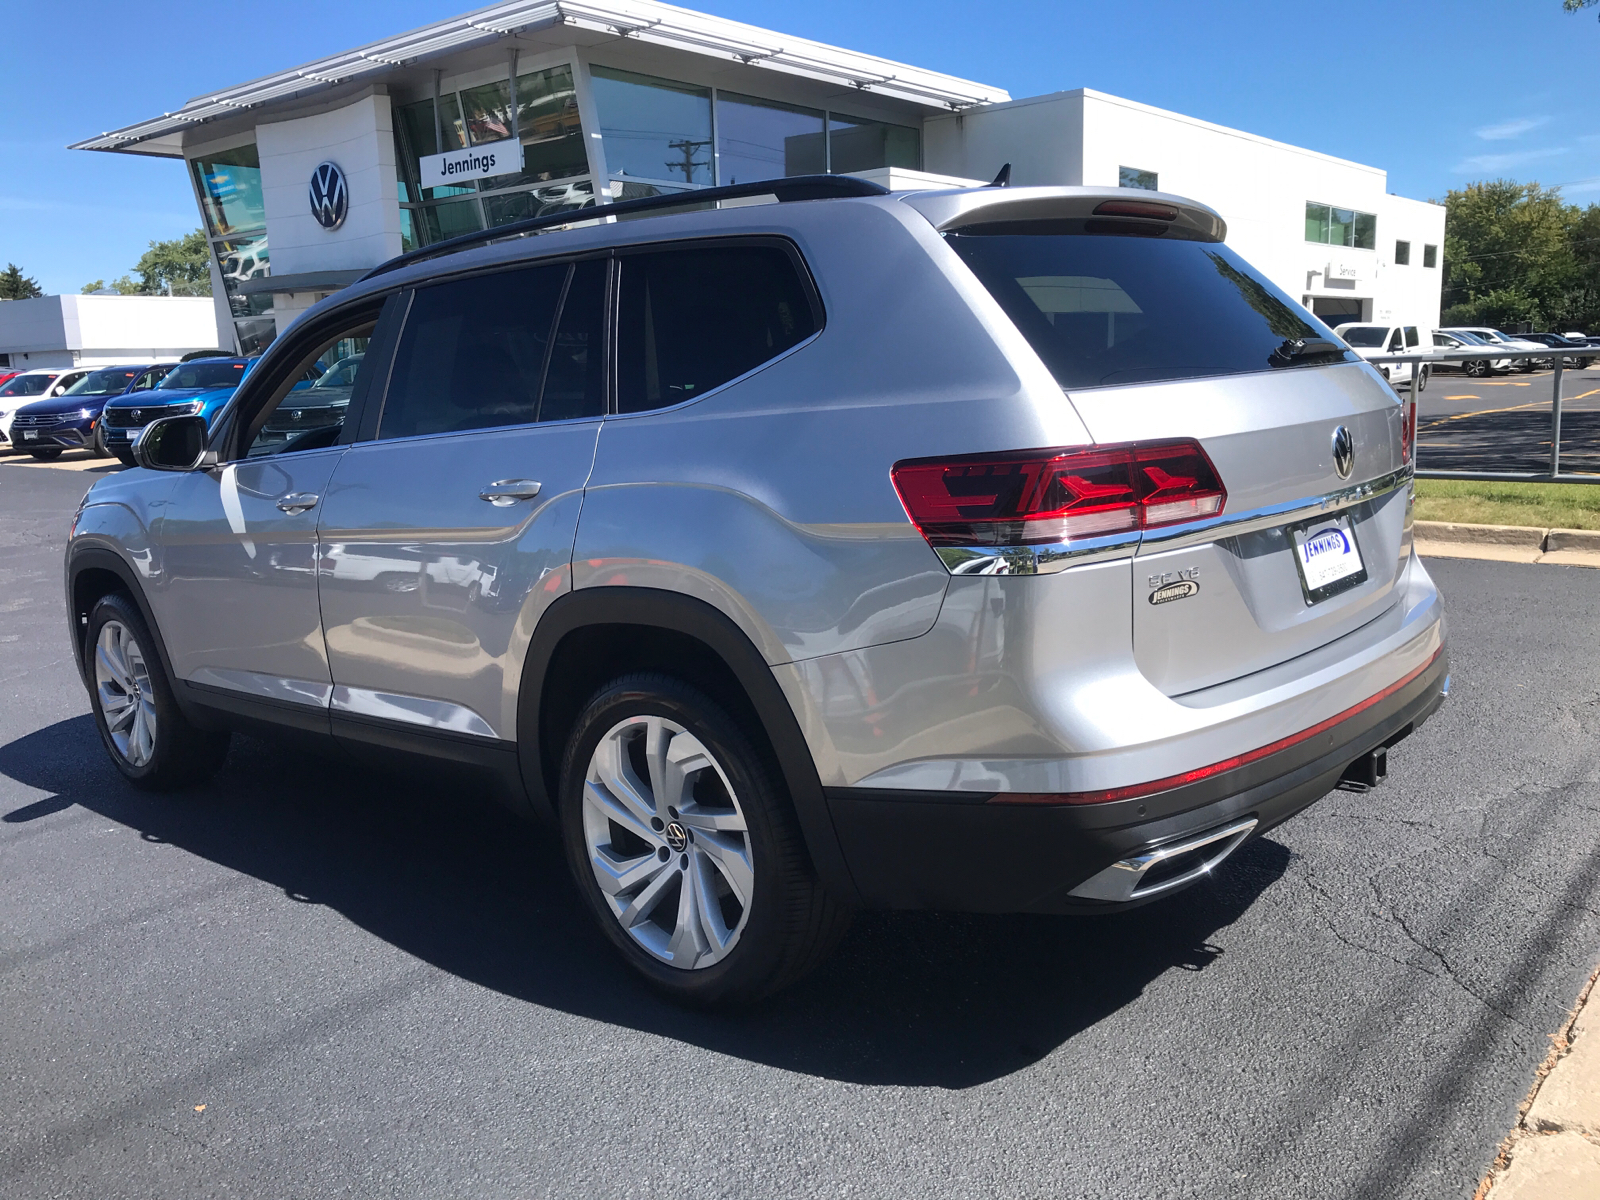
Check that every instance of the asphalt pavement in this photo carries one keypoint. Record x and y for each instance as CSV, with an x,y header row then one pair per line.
x,y
311,978
1503,423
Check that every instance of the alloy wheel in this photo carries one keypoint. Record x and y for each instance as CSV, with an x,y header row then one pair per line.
x,y
668,842
126,694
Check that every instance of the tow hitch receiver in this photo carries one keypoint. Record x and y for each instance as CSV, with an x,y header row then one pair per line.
x,y
1367,772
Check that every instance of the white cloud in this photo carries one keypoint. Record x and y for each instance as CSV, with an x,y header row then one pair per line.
x,y
1499,162
1515,127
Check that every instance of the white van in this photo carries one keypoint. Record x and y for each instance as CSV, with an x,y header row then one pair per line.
x,y
1372,340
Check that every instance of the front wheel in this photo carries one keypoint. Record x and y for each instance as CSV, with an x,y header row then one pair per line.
x,y
97,443
1477,368
149,739
685,844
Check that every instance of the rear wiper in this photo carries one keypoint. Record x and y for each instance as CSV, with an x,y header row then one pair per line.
x,y
1298,348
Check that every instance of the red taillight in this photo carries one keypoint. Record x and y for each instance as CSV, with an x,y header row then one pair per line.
x,y
1408,432
1136,208
1034,497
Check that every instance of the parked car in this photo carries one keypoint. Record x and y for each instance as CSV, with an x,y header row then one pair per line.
x,y
7,375
1478,368
71,420
1578,359
998,549
22,388
1373,340
1494,337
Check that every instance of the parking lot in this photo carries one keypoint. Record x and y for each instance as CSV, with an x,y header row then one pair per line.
x,y
1503,423
309,978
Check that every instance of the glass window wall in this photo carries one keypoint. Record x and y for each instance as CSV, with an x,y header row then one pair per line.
x,y
859,145
655,131
1341,227
229,186
1133,177
230,190
761,139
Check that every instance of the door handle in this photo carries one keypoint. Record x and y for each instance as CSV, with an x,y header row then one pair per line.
x,y
505,492
297,502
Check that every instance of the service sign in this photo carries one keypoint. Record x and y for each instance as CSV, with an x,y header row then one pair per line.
x,y
475,162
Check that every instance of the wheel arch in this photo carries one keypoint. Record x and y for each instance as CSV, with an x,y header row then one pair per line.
x,y
592,635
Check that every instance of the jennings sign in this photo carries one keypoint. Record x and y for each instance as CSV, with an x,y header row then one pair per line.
x,y
476,162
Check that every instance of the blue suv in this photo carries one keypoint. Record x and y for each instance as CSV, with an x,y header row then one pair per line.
x,y
70,421
196,388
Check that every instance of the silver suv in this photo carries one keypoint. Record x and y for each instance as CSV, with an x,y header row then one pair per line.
x,y
1002,550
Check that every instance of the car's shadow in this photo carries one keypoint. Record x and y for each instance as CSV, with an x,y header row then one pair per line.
x,y
908,999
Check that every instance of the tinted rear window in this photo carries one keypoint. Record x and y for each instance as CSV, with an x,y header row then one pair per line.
x,y
1103,310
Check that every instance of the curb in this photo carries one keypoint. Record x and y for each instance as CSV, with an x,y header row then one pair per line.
x,y
1508,543
1553,1153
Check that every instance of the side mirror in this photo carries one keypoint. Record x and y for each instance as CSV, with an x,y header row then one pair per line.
x,y
173,444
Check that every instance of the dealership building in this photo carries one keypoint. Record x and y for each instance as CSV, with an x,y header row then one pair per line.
x,y
308,178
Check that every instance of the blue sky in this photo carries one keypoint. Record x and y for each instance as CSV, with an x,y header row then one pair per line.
x,y
1438,93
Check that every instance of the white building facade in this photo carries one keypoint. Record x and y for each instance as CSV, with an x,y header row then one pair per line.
x,y
623,98
71,331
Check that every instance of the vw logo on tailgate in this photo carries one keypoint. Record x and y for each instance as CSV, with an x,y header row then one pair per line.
x,y
330,202
1344,452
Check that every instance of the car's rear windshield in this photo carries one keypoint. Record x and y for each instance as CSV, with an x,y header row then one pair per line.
x,y
102,383
1365,336
1110,309
204,375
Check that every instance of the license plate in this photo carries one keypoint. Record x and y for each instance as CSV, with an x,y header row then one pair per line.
x,y
1328,558
30,434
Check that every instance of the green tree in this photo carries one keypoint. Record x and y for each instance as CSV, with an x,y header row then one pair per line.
x,y
180,267
1508,254
14,285
1573,6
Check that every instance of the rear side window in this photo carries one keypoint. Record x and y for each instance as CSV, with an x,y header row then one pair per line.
x,y
690,320
473,353
1102,310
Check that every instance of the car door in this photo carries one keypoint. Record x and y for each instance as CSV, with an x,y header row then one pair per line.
x,y
449,532
236,599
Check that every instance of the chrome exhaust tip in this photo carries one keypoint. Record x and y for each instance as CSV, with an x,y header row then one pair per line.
x,y
1129,879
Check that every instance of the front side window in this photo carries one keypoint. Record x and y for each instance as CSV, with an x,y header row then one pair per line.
x,y
1133,177
310,412
1102,309
690,320
474,352
1412,340
102,383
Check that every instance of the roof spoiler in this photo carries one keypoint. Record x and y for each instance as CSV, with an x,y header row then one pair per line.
x,y
953,210
796,187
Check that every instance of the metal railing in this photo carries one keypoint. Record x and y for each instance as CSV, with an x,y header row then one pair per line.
x,y
1554,354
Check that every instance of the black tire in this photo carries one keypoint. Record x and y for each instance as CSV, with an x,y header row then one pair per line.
x,y
46,455
125,457
97,443
181,754
792,923
1477,368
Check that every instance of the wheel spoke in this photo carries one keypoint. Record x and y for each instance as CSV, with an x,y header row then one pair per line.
x,y
720,820
111,667
610,765
689,940
139,741
705,897
730,858
616,876
642,905
120,715
602,798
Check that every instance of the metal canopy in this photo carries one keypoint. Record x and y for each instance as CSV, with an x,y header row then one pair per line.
x,y
643,20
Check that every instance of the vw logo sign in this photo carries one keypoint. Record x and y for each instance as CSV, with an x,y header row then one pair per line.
x,y
1344,452
330,202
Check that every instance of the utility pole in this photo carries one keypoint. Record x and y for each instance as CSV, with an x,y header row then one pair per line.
x,y
687,165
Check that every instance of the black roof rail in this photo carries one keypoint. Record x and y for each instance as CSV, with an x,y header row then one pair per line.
x,y
795,187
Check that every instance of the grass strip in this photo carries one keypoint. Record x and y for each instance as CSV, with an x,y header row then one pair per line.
x,y
1541,505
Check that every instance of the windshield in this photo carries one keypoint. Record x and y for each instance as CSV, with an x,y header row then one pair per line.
x,y
102,383
341,375
1103,309
1365,336
203,375
27,385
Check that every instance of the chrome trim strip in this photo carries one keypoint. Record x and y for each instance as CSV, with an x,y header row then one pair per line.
x,y
414,710
1199,533
1046,560
1120,882
270,687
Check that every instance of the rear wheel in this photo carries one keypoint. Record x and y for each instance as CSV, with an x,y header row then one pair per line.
x,y
46,455
149,739
685,845
1477,368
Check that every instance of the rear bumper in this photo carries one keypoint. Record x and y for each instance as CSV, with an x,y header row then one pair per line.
x,y
964,852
